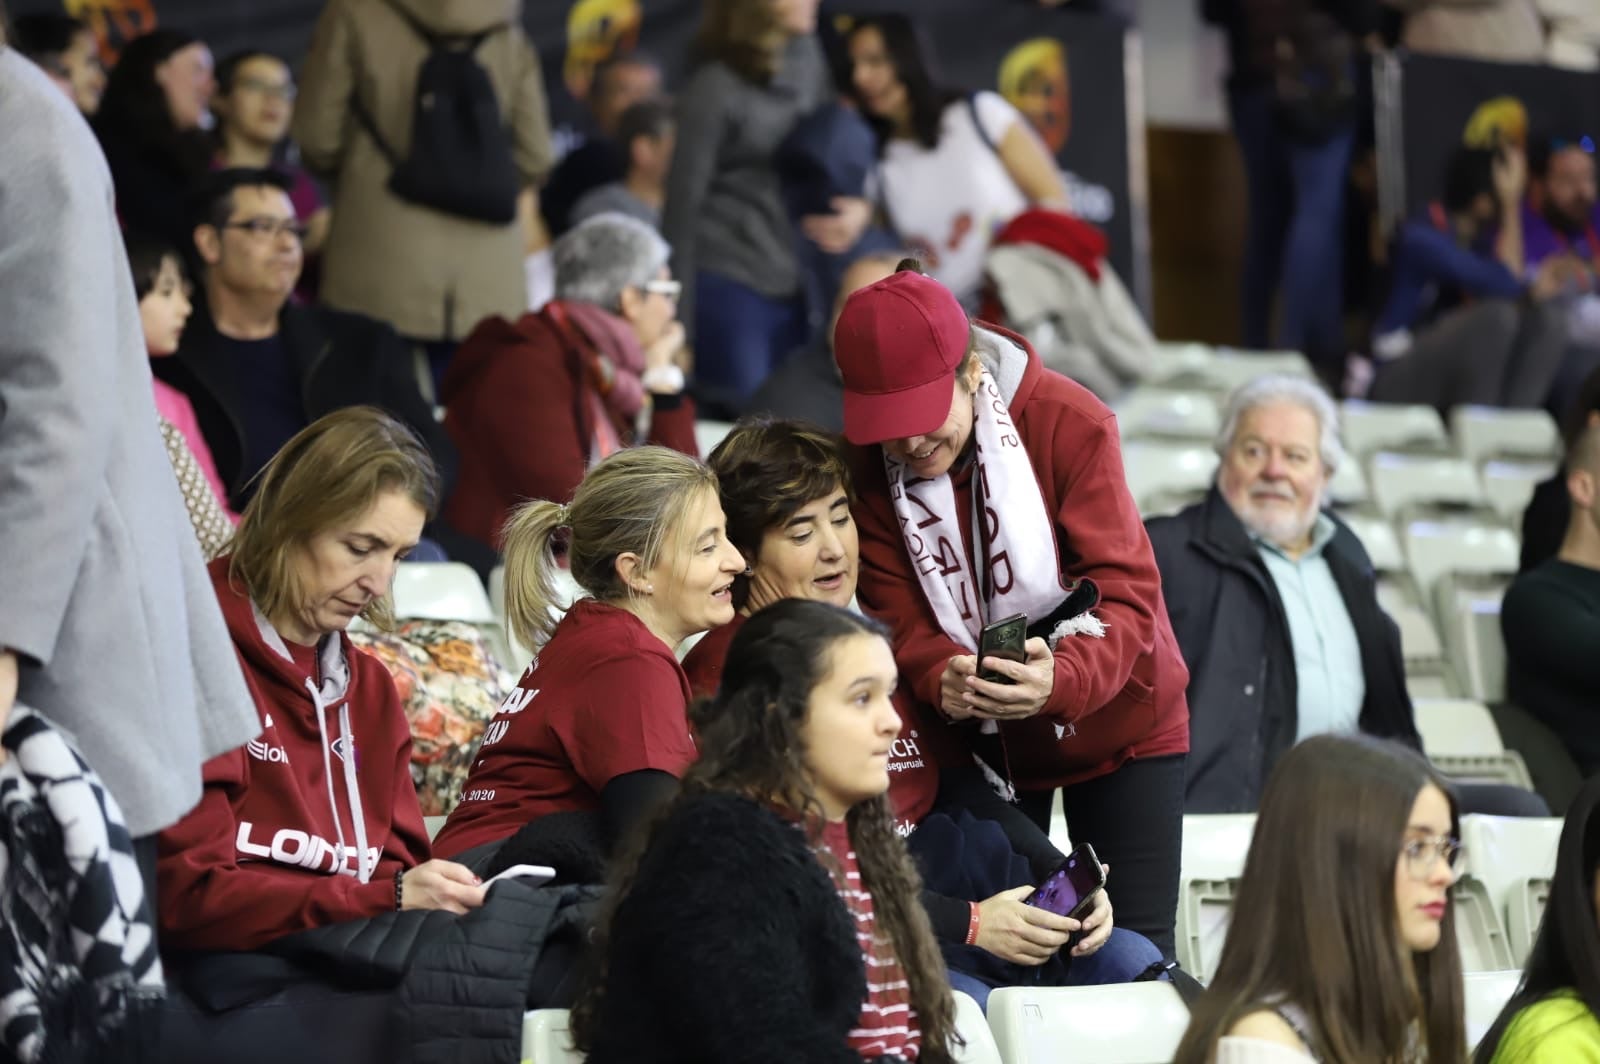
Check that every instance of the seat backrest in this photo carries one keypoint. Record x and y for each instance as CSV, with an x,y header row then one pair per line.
x,y
1456,727
1480,931
1215,844
440,591
1484,431
1377,537
1419,641
1156,467
1515,859
1486,993
707,434
1126,1023
1157,412
1400,480
1369,427
1348,486
547,1038
1434,548
1469,609
1508,486
1214,850
974,1031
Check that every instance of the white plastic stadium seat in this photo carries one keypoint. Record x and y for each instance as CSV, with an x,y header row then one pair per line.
x,y
1399,480
1219,370
1370,427
1486,993
1459,736
1348,487
434,824
707,434
547,1038
1507,486
440,591
1214,851
1155,412
1126,1023
1161,469
1378,538
1469,611
1488,432
1515,858
1457,545
974,1031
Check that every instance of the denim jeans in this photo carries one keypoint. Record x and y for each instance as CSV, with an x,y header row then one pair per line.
x,y
1295,246
1124,956
740,336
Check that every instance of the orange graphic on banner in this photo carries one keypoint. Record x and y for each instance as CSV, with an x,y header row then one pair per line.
x,y
1033,78
114,22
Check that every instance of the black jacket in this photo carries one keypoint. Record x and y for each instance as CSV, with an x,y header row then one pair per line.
x,y
732,945
341,359
1234,635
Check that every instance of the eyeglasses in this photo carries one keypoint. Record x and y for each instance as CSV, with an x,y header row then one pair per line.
x,y
269,227
1421,855
670,289
282,90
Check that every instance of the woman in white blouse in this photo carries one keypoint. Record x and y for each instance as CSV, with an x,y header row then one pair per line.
x,y
954,167
1342,948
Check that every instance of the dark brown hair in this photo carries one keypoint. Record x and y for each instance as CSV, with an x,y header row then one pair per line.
x,y
749,739
330,471
768,468
1315,921
747,35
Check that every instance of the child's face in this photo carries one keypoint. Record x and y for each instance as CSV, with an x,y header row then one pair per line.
x,y
164,310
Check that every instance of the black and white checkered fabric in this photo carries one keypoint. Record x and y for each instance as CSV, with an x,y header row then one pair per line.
x,y
80,978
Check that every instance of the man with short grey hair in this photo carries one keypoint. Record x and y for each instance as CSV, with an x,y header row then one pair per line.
x,y
1274,602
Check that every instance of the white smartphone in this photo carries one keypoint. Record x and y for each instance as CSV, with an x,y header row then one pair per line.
x,y
535,874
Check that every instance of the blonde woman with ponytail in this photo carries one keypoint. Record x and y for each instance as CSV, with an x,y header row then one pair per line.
x,y
597,723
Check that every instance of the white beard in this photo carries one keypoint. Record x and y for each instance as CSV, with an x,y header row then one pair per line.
x,y
1285,530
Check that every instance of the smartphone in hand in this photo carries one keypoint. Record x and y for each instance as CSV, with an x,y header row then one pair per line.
x,y
1003,639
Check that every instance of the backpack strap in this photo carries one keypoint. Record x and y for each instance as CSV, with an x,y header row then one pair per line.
x,y
983,134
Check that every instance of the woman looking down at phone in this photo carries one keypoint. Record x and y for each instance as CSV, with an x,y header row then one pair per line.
x,y
786,490
1343,949
597,723
954,419
770,914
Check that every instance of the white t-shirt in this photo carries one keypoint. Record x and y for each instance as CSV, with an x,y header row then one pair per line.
x,y
950,200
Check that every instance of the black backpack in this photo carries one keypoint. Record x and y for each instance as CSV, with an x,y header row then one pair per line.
x,y
460,159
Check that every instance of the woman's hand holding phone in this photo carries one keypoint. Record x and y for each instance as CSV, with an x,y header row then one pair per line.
x,y
1023,934
1098,924
1032,683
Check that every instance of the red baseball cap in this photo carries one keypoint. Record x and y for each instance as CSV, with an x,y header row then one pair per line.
x,y
898,344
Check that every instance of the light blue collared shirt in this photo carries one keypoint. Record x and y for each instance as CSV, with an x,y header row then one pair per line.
x,y
1330,685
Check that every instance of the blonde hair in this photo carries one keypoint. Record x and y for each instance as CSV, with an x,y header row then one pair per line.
x,y
331,471
629,503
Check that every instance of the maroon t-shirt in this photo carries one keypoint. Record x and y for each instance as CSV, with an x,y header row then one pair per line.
x,y
604,698
913,761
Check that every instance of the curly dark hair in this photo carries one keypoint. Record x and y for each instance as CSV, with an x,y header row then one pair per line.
x,y
749,738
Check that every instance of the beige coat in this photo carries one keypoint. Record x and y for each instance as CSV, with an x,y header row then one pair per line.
x,y
431,275
1507,31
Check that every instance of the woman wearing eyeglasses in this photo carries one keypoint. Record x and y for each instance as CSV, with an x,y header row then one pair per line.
x,y
1342,947
532,404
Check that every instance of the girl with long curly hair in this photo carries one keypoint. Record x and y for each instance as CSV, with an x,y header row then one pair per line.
x,y
772,912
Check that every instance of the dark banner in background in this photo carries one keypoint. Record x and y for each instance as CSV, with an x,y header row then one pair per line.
x,y
1068,72
1434,105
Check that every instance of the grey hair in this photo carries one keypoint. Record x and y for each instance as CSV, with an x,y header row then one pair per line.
x,y
600,256
1282,388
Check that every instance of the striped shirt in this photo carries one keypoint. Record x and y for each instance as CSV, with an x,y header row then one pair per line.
x,y
887,1026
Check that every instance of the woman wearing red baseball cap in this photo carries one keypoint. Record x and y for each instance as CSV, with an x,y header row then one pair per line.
x,y
989,487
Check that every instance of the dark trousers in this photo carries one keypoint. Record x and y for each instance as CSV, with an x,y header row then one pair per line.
x,y
740,336
1133,818
1295,245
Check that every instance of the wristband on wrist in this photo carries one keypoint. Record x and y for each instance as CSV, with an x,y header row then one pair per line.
x,y
665,379
972,925
399,888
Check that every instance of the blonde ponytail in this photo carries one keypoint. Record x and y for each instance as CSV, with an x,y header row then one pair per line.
x,y
531,593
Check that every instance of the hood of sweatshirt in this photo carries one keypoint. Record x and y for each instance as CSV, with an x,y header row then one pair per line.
x,y
306,727
461,18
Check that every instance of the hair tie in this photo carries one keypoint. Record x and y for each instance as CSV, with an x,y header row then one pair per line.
x,y
564,516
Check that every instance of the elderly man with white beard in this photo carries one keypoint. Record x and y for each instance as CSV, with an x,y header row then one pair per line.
x,y
1274,604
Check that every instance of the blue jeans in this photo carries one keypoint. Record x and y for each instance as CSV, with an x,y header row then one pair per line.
x,y
1124,956
1296,236
740,336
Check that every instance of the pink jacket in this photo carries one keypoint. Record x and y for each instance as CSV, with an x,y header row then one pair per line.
x,y
175,407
